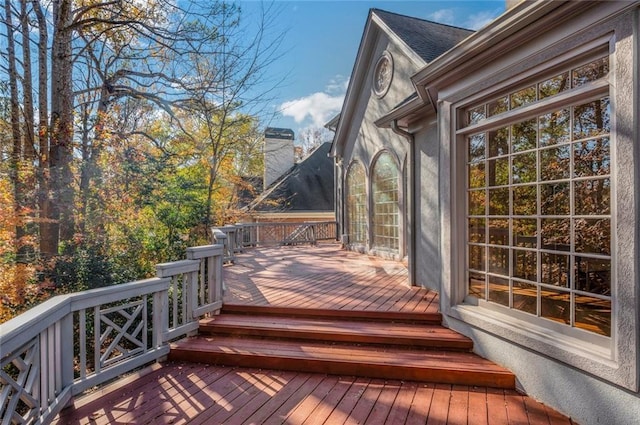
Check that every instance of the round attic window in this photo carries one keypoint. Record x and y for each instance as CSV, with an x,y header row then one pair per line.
x,y
383,74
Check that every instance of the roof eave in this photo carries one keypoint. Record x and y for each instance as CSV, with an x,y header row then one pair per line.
x,y
514,27
406,113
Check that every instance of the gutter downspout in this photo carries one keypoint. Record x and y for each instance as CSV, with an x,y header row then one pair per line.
x,y
411,200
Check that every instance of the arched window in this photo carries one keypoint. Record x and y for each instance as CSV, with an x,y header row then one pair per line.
x,y
386,233
356,204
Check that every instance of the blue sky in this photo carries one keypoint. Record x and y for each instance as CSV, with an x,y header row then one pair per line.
x,y
321,41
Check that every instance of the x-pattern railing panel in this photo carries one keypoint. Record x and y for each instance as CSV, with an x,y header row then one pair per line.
x,y
124,340
19,381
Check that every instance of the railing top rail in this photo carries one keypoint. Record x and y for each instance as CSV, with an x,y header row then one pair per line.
x,y
198,252
288,223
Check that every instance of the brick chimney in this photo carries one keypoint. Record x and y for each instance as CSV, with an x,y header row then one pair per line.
x,y
278,153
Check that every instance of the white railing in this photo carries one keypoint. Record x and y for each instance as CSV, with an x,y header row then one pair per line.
x,y
236,238
73,342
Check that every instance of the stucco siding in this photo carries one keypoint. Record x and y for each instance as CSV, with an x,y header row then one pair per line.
x,y
428,260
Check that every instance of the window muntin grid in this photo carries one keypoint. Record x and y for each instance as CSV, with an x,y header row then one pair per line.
x,y
539,212
386,233
570,79
356,204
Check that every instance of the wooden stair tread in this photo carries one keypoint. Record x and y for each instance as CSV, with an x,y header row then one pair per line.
x,y
337,330
382,362
366,315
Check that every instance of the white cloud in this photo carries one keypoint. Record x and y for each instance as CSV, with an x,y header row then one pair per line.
x,y
480,19
454,17
443,16
317,108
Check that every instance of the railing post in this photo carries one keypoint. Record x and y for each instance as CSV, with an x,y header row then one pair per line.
x,y
66,350
230,230
239,237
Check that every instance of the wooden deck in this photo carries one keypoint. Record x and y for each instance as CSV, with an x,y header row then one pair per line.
x,y
322,277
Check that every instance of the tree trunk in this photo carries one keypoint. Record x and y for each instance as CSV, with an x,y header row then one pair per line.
x,y
61,127
16,136
48,229
26,250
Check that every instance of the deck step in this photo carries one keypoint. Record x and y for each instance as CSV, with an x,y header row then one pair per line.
x,y
448,367
336,330
361,315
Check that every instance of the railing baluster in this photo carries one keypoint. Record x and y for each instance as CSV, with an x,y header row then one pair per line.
x,y
82,341
96,339
174,298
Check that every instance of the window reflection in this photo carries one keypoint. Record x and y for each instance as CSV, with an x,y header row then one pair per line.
x,y
591,119
498,171
593,314
525,265
498,106
554,163
474,115
592,157
525,232
524,168
499,201
554,127
524,135
498,231
525,200
523,97
356,204
499,290
499,142
539,201
499,260
476,147
593,275
556,234
477,285
555,269
476,175
590,72
555,305
385,203
553,86
476,230
593,236
554,199
477,257
592,197
525,297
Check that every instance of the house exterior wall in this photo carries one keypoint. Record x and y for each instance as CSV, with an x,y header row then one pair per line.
x,y
365,142
594,380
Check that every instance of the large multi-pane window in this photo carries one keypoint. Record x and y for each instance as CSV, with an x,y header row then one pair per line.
x,y
385,203
539,199
356,204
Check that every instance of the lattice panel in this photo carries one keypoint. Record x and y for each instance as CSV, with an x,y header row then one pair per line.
x,y
19,385
302,233
123,332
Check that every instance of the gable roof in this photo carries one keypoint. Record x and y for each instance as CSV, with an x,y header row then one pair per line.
x,y
428,39
307,186
421,40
